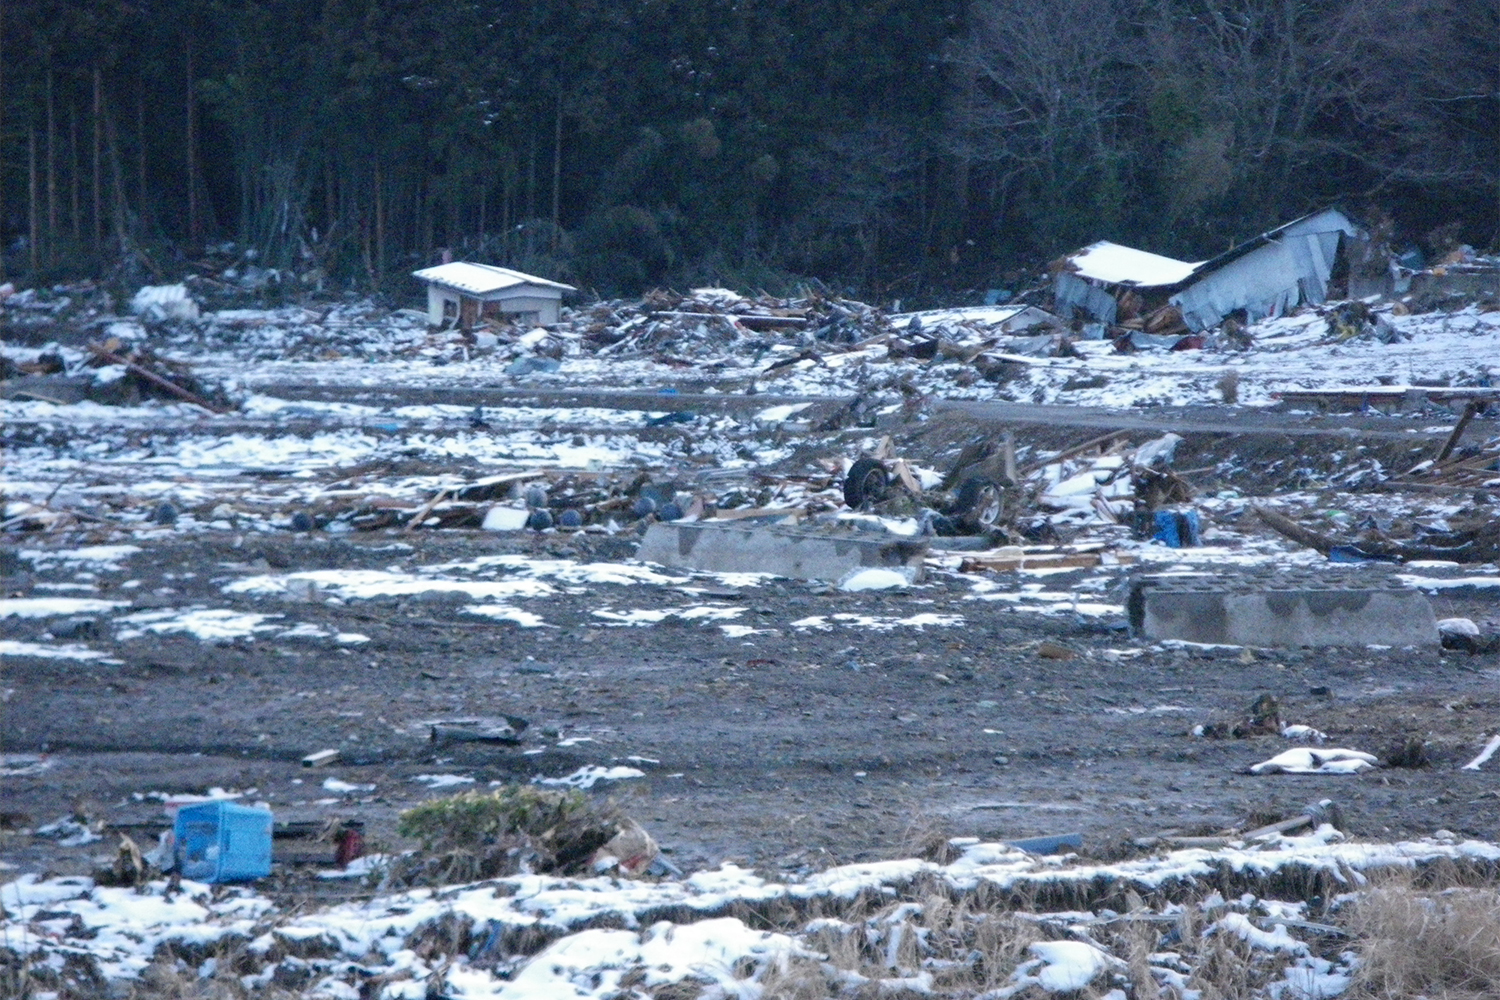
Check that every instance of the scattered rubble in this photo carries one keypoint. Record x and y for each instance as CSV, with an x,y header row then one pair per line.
x,y
752,483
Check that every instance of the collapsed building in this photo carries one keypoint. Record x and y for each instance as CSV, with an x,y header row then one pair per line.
x,y
1266,276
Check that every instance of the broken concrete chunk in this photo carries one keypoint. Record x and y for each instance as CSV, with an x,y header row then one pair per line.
x,y
1282,610
798,555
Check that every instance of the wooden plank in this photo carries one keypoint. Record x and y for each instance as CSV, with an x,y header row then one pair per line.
x,y
1079,560
421,515
1063,456
744,512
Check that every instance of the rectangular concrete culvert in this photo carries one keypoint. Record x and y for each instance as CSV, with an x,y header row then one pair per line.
x,y
1283,609
796,554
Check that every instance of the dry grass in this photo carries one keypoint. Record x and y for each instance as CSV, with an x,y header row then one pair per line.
x,y
1442,944
1229,387
476,835
967,949
1433,935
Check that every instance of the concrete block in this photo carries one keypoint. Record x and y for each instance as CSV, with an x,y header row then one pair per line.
x,y
797,554
1283,610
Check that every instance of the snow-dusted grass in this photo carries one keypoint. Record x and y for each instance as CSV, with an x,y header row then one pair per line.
x,y
1296,917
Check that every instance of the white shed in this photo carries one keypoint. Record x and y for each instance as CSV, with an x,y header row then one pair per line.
x,y
462,293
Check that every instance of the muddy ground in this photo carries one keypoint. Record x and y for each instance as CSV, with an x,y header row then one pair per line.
x,y
787,749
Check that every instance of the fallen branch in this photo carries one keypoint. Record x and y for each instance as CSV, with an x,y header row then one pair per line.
x,y
1467,551
1284,525
156,379
1458,429
1063,456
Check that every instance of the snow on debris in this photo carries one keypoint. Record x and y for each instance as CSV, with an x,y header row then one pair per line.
x,y
653,616
1307,760
46,651
207,624
600,930
95,557
878,623
118,929
588,777
54,607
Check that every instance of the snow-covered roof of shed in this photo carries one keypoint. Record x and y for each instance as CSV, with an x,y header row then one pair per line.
x,y
1113,264
479,279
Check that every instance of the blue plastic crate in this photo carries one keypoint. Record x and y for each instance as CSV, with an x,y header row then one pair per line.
x,y
223,842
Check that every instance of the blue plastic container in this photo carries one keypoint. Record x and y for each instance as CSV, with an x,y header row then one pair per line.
x,y
223,842
1178,529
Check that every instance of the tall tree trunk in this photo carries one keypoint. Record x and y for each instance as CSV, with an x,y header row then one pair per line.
x,y
2,140
505,196
426,202
192,145
379,226
484,194
531,199
140,153
51,170
117,171
556,170
330,203
35,237
73,186
98,144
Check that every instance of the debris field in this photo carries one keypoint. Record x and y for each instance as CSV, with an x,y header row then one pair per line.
x,y
855,640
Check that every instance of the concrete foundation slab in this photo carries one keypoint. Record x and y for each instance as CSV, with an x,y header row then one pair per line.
x,y
1283,610
799,555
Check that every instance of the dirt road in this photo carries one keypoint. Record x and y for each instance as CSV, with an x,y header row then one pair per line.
x,y
807,740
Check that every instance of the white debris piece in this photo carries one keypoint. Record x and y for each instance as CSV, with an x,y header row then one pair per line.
x,y
1157,452
588,777
1484,755
1305,760
442,780
877,578
164,302
1457,626
505,519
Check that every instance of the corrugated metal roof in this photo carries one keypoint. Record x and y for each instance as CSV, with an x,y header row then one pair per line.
x,y
1328,220
480,279
1113,264
1270,278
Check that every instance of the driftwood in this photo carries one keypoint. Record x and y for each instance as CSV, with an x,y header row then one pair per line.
x,y
156,379
1458,429
1480,545
1284,525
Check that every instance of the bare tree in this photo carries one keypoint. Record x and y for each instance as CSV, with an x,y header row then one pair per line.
x,y
1308,99
1045,97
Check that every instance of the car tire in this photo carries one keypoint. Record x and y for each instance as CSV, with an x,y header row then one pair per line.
x,y
865,483
981,504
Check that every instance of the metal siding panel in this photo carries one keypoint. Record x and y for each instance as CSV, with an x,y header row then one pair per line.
x,y
1071,290
1265,283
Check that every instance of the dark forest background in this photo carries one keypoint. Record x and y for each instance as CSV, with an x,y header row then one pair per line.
x,y
889,148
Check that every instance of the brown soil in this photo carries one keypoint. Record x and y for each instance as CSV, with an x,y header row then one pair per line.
x,y
786,749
